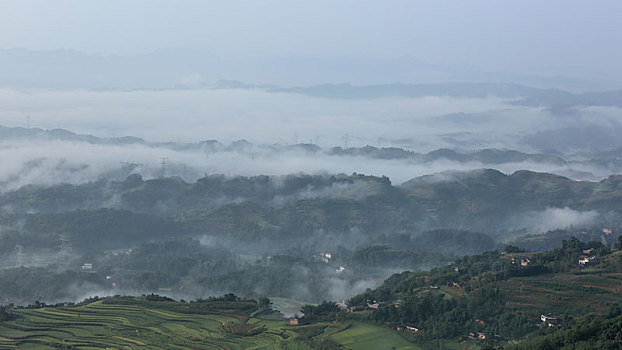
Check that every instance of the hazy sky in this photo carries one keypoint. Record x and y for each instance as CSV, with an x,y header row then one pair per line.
x,y
505,35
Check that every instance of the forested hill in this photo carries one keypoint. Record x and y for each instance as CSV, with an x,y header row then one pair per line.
x,y
498,297
496,300
299,206
599,332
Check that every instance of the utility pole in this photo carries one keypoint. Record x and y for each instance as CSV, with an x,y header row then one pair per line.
x,y
28,121
346,139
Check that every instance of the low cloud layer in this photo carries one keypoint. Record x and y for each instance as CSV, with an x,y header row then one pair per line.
x,y
265,117
554,218
417,124
54,162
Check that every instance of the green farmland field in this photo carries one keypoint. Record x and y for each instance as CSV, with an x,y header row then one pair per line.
x,y
142,326
365,336
136,323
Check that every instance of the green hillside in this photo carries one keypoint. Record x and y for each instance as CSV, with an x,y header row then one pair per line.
x,y
502,297
140,323
492,300
295,210
136,323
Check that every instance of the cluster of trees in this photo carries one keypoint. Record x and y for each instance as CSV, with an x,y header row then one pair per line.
x,y
226,301
24,285
326,310
5,315
386,257
93,229
260,215
156,297
442,316
187,265
476,271
597,332
554,238
415,298
229,302
225,297
566,257
296,207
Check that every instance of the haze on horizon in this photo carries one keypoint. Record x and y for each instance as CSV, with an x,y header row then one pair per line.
x,y
150,69
571,45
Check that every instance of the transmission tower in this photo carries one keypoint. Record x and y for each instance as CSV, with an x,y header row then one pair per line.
x,y
63,248
163,162
20,256
317,140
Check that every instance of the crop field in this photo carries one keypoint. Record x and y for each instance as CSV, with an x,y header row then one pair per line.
x,y
134,323
582,293
577,292
365,336
108,326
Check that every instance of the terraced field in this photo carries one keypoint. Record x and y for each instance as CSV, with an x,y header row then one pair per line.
x,y
109,326
575,293
371,337
134,323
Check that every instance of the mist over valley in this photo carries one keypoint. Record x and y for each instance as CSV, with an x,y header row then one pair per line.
x,y
310,175
402,179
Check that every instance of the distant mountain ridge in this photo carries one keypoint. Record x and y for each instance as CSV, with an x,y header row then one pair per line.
x,y
17,133
191,67
484,200
486,156
523,95
587,165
